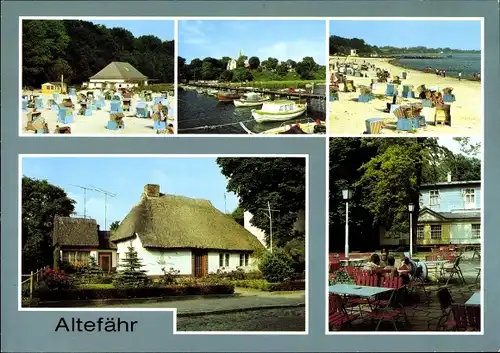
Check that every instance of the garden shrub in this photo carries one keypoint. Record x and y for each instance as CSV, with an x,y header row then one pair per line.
x,y
259,284
139,292
287,286
341,276
132,274
170,276
55,279
276,266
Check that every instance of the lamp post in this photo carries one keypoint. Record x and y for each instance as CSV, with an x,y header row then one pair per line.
x,y
411,208
346,194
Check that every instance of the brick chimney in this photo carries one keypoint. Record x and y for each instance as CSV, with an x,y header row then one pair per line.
x,y
152,190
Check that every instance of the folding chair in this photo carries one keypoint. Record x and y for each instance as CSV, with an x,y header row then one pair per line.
x,y
467,317
337,315
445,302
455,271
478,277
393,308
417,281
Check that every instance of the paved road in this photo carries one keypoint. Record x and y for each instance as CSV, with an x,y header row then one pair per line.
x,y
245,300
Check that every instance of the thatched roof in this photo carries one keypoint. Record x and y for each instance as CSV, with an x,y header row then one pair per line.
x,y
119,71
70,231
170,221
104,242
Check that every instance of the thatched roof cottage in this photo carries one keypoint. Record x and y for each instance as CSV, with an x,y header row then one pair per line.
x,y
79,238
189,235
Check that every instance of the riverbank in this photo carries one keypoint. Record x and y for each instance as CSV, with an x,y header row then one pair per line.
x,y
348,116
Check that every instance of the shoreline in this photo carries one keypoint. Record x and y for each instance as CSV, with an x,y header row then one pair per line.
x,y
396,63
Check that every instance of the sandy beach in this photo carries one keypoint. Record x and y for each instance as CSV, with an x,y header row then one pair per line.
x,y
347,116
96,124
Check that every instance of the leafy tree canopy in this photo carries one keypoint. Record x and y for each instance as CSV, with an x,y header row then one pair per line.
x,y
80,49
41,202
277,181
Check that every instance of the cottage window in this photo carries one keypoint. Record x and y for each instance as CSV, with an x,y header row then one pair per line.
x,y
76,257
223,260
434,198
476,230
469,198
436,232
244,260
420,231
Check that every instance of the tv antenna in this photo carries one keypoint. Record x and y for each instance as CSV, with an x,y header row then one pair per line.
x,y
106,194
84,188
269,214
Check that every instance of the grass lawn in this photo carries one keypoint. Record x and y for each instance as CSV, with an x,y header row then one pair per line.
x,y
286,319
96,286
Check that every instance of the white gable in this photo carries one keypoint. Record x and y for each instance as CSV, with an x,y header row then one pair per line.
x,y
426,216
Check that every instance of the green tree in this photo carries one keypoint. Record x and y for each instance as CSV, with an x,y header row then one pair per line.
x,y
207,70
282,69
276,266
114,225
238,215
254,62
271,63
241,61
226,76
242,75
277,181
130,273
41,202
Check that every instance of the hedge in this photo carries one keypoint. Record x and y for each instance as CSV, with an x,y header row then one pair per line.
x,y
263,285
131,293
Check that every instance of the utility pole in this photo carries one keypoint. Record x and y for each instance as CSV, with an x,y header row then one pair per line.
x,y
270,216
106,194
84,198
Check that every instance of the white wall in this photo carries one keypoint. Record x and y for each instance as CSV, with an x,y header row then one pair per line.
x,y
258,233
234,262
155,260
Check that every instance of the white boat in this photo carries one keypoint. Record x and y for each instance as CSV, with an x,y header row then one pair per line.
x,y
212,92
250,100
304,126
279,111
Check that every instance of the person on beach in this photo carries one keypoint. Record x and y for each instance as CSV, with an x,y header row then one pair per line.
x,y
460,76
438,72
444,73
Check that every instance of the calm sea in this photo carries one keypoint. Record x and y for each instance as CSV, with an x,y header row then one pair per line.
x,y
202,114
468,64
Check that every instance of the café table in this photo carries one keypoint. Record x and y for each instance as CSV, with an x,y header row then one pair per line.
x,y
475,299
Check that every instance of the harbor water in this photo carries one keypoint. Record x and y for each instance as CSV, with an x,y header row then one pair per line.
x,y
202,114
467,64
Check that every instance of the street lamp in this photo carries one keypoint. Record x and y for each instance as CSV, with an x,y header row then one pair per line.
x,y
346,195
411,208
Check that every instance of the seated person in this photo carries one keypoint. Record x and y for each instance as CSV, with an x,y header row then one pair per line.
x,y
391,266
384,256
373,265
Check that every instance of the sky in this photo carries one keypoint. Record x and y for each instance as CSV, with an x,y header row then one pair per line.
x,y
191,177
458,34
283,40
454,146
163,29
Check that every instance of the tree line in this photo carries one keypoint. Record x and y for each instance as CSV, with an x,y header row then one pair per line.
x,y
250,69
385,175
80,49
342,46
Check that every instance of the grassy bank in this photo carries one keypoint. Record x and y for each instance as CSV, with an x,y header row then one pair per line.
x,y
286,319
277,84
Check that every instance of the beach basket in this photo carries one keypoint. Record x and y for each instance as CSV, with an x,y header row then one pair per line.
x,y
65,115
389,91
116,122
141,110
72,91
334,96
160,125
115,107
373,126
404,75
443,114
39,103
410,124
448,98
24,105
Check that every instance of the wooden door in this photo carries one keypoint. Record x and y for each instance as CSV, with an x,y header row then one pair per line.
x,y
200,264
105,261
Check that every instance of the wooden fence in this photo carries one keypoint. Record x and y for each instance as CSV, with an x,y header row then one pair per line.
x,y
30,281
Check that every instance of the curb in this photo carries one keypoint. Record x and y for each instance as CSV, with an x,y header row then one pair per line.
x,y
240,310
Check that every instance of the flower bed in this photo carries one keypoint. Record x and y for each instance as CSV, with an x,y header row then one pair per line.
x,y
131,293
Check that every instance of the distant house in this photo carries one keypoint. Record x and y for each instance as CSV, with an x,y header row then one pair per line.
x,y
299,225
189,235
354,52
232,64
450,213
116,75
77,239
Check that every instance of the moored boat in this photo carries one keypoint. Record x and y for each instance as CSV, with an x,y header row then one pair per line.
x,y
227,96
303,126
250,100
279,111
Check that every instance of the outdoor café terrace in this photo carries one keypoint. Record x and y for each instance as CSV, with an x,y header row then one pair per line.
x,y
442,294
